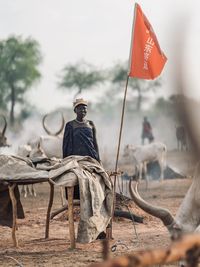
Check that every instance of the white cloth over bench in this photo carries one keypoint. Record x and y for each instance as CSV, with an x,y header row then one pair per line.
x,y
96,194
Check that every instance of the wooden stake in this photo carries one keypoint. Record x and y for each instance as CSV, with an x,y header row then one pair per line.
x,y
187,248
49,210
106,249
14,212
70,193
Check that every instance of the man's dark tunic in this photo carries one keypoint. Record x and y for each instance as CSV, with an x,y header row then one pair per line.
x,y
80,139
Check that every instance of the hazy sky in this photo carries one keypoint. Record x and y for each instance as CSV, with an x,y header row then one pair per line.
x,y
99,32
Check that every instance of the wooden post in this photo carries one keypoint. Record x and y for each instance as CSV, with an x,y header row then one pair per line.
x,y
106,249
14,212
70,193
187,248
49,210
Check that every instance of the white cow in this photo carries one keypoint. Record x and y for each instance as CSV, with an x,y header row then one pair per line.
x,y
49,146
187,219
51,143
24,151
141,155
31,151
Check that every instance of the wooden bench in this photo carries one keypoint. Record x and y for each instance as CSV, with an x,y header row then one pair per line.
x,y
70,191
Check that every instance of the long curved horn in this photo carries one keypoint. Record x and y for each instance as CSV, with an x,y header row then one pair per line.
x,y
158,212
5,125
50,133
44,126
62,125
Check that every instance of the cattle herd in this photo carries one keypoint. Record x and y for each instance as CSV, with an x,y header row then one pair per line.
x,y
45,146
187,219
50,146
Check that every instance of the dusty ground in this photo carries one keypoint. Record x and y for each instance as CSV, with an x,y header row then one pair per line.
x,y
36,251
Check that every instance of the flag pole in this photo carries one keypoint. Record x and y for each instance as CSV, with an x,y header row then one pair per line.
x,y
109,229
121,126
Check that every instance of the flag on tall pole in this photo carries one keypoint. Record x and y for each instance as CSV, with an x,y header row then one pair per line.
x,y
146,59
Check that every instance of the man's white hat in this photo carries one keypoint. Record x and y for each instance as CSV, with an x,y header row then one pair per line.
x,y
80,101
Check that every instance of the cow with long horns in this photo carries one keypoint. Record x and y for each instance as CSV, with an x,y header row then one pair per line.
x,y
48,146
187,219
52,143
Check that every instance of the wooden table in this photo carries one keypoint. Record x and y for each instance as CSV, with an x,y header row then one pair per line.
x,y
70,191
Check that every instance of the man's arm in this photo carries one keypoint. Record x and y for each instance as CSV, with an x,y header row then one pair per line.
x,y
95,138
67,146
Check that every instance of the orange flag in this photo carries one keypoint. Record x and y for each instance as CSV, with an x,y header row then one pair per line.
x,y
146,59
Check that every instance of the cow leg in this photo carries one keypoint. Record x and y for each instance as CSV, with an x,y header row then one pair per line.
x,y
146,177
140,171
182,145
23,191
137,172
33,191
161,164
29,192
26,191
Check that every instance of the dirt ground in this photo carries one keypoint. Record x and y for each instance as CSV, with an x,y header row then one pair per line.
x,y
34,250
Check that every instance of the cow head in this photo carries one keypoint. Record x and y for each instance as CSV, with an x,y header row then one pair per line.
x,y
128,150
3,138
164,215
48,131
24,150
36,151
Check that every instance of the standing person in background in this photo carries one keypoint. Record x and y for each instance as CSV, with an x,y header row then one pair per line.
x,y
146,131
80,136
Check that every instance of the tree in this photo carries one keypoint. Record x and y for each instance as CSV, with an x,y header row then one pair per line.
x,y
118,75
18,64
80,76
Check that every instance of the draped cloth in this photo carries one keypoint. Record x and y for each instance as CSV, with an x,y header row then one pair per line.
x,y
80,139
96,190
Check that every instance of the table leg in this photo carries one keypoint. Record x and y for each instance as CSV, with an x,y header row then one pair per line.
x,y
49,210
14,211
